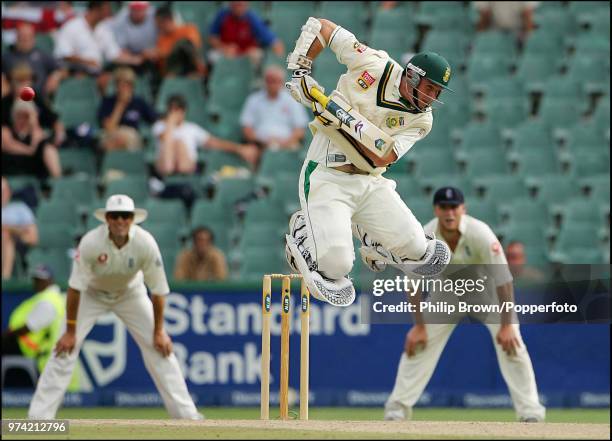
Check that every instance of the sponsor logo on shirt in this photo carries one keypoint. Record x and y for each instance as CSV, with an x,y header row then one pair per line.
x,y
102,258
359,47
365,80
395,121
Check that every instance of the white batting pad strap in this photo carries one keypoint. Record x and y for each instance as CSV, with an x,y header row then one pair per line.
x,y
310,31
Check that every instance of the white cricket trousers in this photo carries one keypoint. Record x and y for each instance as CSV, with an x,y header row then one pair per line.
x,y
135,309
414,372
331,200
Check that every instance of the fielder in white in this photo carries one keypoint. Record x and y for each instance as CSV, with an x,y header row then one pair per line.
x,y
472,242
341,181
112,265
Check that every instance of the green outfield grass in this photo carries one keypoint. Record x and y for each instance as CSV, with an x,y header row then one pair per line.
x,y
327,413
325,423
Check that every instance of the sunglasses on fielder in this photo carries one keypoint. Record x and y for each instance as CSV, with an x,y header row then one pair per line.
x,y
114,215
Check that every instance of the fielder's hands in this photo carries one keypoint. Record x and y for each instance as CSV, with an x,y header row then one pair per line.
x,y
507,338
416,340
300,85
65,344
162,343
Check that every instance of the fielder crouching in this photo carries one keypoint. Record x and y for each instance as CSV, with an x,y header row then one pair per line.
x,y
341,180
112,265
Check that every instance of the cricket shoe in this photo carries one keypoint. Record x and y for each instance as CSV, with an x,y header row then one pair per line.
x,y
335,292
435,260
397,412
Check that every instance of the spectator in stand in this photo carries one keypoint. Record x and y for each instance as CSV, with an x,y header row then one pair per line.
x,y
237,31
179,47
270,117
47,72
515,17
19,230
85,43
135,31
203,261
20,77
120,115
515,254
25,149
178,141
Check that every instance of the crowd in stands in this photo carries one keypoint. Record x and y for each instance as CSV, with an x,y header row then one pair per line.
x,y
182,106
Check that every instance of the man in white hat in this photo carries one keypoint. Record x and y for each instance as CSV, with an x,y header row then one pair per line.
x,y
112,265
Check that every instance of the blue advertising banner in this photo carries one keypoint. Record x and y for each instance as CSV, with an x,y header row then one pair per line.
x,y
217,339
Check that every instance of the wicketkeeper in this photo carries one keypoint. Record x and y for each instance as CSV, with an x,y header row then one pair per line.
x,y
341,180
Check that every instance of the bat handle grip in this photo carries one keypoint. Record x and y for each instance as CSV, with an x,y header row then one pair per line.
x,y
319,96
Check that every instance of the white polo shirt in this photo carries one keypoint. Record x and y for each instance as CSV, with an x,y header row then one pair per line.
x,y
478,245
102,269
191,134
77,38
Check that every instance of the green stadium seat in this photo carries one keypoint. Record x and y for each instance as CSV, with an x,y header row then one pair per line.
x,y
536,162
421,208
505,113
58,260
486,163
500,88
285,189
532,235
484,210
224,123
406,186
477,136
553,188
430,184
587,69
134,186
525,211
394,42
531,135
279,161
351,17
536,256
544,42
190,88
265,211
534,69
57,212
599,25
598,187
586,137
553,111
263,260
165,211
593,45
55,236
429,164
601,115
501,187
576,244
453,44
132,163
198,13
556,20
205,211
78,188
77,160
287,18
76,102
262,235
228,191
590,163
581,211
398,19
166,236
493,43
20,182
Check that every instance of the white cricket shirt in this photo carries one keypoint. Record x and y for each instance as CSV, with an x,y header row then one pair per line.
x,y
100,267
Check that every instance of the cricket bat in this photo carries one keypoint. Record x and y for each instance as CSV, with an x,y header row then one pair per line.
x,y
354,124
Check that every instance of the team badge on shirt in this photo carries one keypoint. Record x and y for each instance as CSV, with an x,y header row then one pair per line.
x,y
102,258
359,47
365,80
395,121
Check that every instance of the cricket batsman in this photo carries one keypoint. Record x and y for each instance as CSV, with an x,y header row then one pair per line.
x,y
341,180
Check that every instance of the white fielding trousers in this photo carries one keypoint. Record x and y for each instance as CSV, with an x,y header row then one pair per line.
x,y
135,309
331,200
414,372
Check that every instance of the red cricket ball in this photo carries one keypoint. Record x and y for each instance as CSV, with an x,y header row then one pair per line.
x,y
27,93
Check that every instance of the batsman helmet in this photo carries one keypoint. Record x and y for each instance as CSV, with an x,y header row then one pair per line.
x,y
432,66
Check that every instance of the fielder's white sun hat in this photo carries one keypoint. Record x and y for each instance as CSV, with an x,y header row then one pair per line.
x,y
121,202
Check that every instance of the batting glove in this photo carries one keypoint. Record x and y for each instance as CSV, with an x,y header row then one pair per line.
x,y
300,85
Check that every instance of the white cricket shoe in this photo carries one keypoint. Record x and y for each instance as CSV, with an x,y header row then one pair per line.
x,y
397,412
